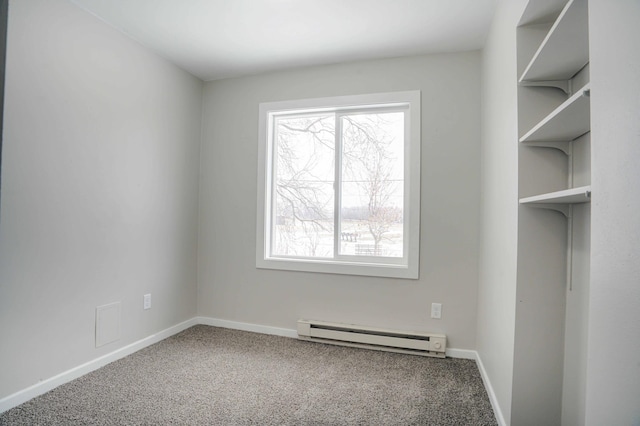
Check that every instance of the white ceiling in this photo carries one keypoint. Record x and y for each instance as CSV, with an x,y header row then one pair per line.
x,y
215,39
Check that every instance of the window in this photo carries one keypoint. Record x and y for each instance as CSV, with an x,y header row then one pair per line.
x,y
339,185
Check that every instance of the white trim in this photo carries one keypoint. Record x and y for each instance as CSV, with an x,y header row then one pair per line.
x,y
492,395
287,332
255,328
461,353
46,385
474,355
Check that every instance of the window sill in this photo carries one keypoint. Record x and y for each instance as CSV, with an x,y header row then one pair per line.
x,y
342,268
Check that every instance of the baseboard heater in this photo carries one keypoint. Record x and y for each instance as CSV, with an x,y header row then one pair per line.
x,y
425,344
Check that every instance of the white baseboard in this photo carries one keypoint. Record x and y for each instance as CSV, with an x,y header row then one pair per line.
x,y
287,332
461,353
470,354
44,386
492,395
256,328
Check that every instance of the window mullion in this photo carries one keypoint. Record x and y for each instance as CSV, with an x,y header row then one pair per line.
x,y
337,186
273,173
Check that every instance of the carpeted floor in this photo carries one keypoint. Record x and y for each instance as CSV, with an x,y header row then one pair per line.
x,y
214,376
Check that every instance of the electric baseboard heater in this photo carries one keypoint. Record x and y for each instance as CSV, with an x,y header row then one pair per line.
x,y
425,344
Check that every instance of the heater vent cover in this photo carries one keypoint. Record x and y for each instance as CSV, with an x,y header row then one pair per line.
x,y
425,344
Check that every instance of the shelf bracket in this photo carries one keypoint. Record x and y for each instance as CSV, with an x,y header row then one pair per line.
x,y
565,209
564,146
564,85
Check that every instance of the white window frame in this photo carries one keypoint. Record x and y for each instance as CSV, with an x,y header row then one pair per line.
x,y
406,267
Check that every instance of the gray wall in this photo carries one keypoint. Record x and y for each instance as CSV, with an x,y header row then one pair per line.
x,y
499,208
613,367
230,286
100,186
4,12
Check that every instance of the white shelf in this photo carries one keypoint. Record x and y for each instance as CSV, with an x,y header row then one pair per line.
x,y
565,49
569,121
578,195
540,12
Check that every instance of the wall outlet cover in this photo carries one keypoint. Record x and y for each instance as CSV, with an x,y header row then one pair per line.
x,y
436,310
147,301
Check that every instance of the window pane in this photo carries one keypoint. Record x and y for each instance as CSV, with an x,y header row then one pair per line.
x,y
372,193
304,164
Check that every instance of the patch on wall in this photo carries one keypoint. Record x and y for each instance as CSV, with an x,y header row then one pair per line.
x,y
107,323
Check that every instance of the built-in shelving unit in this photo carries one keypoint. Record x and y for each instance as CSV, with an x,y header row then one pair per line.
x,y
562,54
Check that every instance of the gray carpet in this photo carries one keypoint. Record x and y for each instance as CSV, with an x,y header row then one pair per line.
x,y
215,376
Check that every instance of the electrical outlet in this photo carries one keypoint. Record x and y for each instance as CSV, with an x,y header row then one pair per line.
x,y
147,301
436,310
